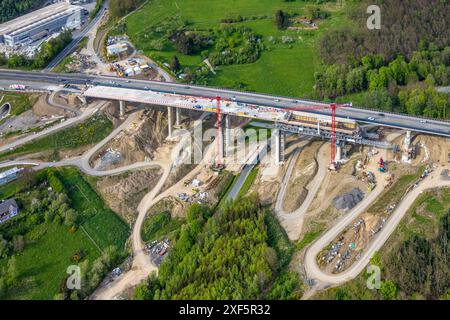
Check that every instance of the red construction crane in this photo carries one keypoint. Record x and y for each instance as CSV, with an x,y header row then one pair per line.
x,y
333,108
219,135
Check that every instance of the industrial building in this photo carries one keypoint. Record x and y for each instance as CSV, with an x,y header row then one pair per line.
x,y
40,24
117,48
9,175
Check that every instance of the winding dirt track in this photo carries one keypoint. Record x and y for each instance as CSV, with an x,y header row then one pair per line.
x,y
312,269
141,266
293,222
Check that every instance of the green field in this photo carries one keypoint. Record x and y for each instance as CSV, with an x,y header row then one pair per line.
x,y
20,102
103,225
248,182
91,131
396,192
42,265
50,246
285,69
160,225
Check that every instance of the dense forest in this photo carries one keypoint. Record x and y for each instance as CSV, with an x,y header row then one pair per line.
x,y
397,67
404,25
398,85
10,9
421,265
225,255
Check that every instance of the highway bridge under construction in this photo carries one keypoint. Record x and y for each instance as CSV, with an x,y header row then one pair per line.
x,y
278,113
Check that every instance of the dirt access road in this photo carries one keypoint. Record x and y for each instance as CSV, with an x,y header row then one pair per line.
x,y
66,124
293,222
312,269
142,266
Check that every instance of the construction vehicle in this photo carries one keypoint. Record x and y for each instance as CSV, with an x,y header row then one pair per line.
x,y
382,166
425,174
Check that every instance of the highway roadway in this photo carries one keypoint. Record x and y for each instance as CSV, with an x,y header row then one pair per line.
x,y
74,43
417,124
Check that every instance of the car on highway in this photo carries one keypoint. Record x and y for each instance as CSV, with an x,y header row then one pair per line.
x,y
381,114
277,100
371,118
423,121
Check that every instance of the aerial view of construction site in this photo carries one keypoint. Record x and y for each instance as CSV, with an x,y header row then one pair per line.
x,y
221,150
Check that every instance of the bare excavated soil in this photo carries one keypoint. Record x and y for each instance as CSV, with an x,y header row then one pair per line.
x,y
431,149
322,211
124,192
42,109
136,143
304,170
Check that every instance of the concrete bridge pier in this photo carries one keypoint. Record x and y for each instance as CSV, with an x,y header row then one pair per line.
x,y
227,135
280,140
408,139
338,154
122,108
170,121
177,116
407,148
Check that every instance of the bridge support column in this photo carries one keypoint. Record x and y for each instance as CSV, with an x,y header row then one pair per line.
x,y
338,155
407,153
227,135
408,139
170,121
122,108
178,116
280,139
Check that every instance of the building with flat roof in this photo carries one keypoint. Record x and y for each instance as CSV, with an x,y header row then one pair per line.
x,y
9,175
41,23
116,48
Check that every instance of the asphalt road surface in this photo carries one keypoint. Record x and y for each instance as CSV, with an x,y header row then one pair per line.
x,y
417,124
72,45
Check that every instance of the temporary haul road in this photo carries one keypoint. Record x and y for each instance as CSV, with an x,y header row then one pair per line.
x,y
312,269
142,264
417,124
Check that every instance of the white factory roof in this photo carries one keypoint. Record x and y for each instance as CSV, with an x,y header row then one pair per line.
x,y
9,172
36,17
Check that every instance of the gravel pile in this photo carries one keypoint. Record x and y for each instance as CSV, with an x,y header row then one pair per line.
x,y
348,200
